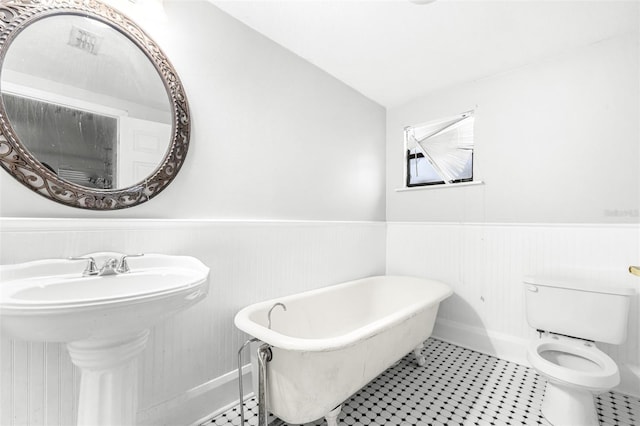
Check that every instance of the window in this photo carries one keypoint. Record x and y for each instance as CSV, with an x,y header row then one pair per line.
x,y
439,152
77,145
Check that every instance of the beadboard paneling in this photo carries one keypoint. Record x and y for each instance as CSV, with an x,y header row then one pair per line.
x,y
254,260
250,261
486,264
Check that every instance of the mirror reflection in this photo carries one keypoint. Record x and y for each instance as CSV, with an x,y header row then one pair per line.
x,y
86,102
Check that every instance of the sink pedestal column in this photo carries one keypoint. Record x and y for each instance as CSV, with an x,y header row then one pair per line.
x,y
109,378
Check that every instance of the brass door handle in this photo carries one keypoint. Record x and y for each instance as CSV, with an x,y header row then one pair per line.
x,y
635,270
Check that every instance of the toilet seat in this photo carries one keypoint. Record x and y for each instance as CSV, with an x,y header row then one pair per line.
x,y
603,376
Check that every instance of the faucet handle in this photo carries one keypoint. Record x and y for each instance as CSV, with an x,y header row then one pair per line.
x,y
91,268
123,266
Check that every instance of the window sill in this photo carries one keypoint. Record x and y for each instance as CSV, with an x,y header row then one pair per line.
x,y
442,186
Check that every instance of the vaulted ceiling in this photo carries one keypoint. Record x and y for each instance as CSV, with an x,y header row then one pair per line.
x,y
394,51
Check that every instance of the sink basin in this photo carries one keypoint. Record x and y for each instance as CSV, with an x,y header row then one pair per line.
x,y
104,320
70,290
50,300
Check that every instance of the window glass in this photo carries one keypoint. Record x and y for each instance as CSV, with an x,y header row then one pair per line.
x,y
440,151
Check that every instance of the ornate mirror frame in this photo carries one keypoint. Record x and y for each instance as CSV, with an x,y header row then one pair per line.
x,y
15,15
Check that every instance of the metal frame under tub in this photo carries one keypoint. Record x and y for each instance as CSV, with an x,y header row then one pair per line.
x,y
323,345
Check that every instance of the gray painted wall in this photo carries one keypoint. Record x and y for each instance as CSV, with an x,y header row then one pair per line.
x,y
273,136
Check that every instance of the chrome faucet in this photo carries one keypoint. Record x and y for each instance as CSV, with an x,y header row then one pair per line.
x,y
272,308
123,266
111,266
114,266
91,268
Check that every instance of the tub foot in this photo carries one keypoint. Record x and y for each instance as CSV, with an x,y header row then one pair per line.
x,y
421,360
332,416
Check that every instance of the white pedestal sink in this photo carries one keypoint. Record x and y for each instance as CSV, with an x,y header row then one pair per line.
x,y
104,320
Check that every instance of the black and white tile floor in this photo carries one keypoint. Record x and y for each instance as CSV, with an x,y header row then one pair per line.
x,y
457,386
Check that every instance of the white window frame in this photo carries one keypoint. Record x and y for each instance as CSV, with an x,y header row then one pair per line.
x,y
411,143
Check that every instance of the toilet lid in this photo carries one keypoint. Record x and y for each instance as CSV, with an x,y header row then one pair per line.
x,y
571,361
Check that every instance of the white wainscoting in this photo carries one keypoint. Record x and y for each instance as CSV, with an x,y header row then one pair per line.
x,y
187,367
486,263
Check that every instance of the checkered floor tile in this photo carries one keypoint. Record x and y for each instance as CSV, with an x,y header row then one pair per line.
x,y
457,386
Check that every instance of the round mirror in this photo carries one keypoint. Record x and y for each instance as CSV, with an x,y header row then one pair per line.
x,y
92,113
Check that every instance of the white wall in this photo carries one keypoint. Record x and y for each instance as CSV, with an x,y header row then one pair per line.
x,y
485,263
556,142
273,137
558,149
282,191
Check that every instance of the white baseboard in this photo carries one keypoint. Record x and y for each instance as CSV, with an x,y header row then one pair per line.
x,y
200,403
500,345
630,381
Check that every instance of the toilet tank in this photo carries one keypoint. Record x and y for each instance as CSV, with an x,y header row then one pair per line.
x,y
578,308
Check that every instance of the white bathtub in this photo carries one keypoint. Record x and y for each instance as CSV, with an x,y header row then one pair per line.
x,y
332,341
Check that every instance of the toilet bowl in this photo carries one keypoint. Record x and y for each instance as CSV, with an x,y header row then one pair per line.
x,y
591,311
575,369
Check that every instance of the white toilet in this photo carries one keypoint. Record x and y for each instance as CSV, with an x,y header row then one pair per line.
x,y
570,316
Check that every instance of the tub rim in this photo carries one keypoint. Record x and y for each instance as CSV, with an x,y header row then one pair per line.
x,y
286,342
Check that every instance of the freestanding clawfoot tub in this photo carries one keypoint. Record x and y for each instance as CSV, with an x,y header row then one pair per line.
x,y
328,343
